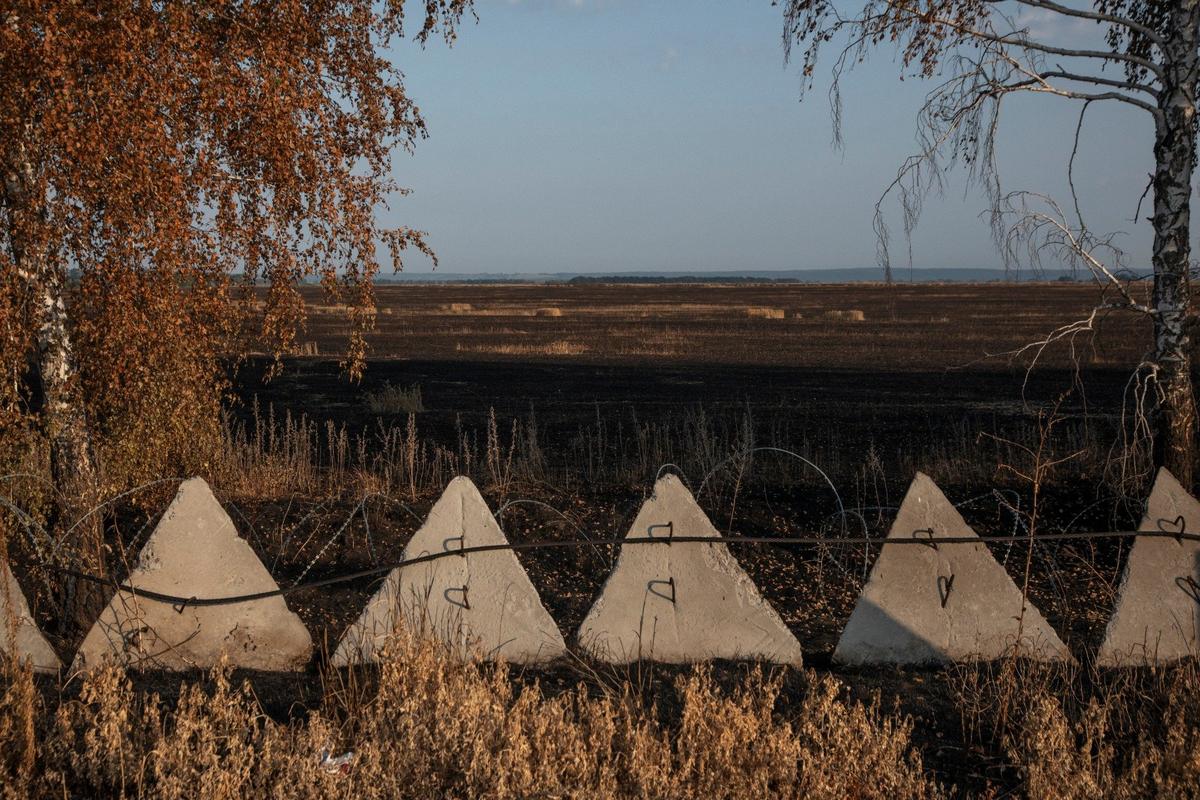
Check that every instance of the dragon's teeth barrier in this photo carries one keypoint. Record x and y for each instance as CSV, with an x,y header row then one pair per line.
x,y
685,601
938,603
199,593
1157,618
196,552
480,603
19,634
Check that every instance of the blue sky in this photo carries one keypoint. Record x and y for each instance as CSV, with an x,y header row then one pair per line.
x,y
615,135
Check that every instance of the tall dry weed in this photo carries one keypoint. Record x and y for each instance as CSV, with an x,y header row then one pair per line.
x,y
438,727
1090,733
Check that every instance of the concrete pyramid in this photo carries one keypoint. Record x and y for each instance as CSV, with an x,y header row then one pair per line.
x,y
483,604
196,552
942,602
1157,619
682,602
19,634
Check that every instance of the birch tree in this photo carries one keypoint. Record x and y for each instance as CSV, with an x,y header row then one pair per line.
x,y
1146,58
151,149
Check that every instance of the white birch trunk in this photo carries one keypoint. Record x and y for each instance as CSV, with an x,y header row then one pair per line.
x,y
1175,162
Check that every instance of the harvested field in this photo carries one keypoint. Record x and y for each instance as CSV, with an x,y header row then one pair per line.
x,y
760,397
905,327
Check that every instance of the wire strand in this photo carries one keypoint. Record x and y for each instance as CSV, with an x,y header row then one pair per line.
x,y
933,542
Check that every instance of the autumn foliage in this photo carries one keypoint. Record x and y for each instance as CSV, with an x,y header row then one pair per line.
x,y
161,158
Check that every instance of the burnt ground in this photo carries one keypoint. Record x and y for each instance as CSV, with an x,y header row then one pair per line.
x,y
610,369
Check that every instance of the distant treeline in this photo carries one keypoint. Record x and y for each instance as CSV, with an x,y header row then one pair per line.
x,y
587,279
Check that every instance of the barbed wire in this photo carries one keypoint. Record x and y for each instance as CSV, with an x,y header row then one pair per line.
x,y
924,537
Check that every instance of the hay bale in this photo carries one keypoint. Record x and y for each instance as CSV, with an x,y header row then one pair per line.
x,y
548,312
766,313
846,315
458,308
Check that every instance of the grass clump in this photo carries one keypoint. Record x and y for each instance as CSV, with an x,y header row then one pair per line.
x,y
395,400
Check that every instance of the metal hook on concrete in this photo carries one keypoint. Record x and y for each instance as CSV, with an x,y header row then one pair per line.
x,y
462,541
925,536
1178,526
670,526
944,585
179,607
652,588
1189,586
464,603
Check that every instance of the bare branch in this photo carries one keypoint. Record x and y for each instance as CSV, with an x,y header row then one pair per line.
x,y
1042,87
1024,42
1098,16
1097,80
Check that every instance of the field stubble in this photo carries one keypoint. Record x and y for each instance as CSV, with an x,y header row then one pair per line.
x,y
579,410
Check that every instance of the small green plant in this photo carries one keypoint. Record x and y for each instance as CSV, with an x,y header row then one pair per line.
x,y
395,400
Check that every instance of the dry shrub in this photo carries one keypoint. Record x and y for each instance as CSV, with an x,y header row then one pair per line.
x,y
1078,733
438,727
854,750
1143,741
19,710
150,348
548,312
766,313
846,315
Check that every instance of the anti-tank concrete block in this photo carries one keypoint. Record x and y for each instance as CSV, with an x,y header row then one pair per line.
x,y
937,602
682,602
1157,617
482,604
19,634
196,552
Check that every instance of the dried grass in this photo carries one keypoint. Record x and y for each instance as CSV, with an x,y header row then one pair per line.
x,y
391,399
556,348
766,313
1081,733
436,727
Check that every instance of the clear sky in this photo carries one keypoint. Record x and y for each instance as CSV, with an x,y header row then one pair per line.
x,y
617,135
